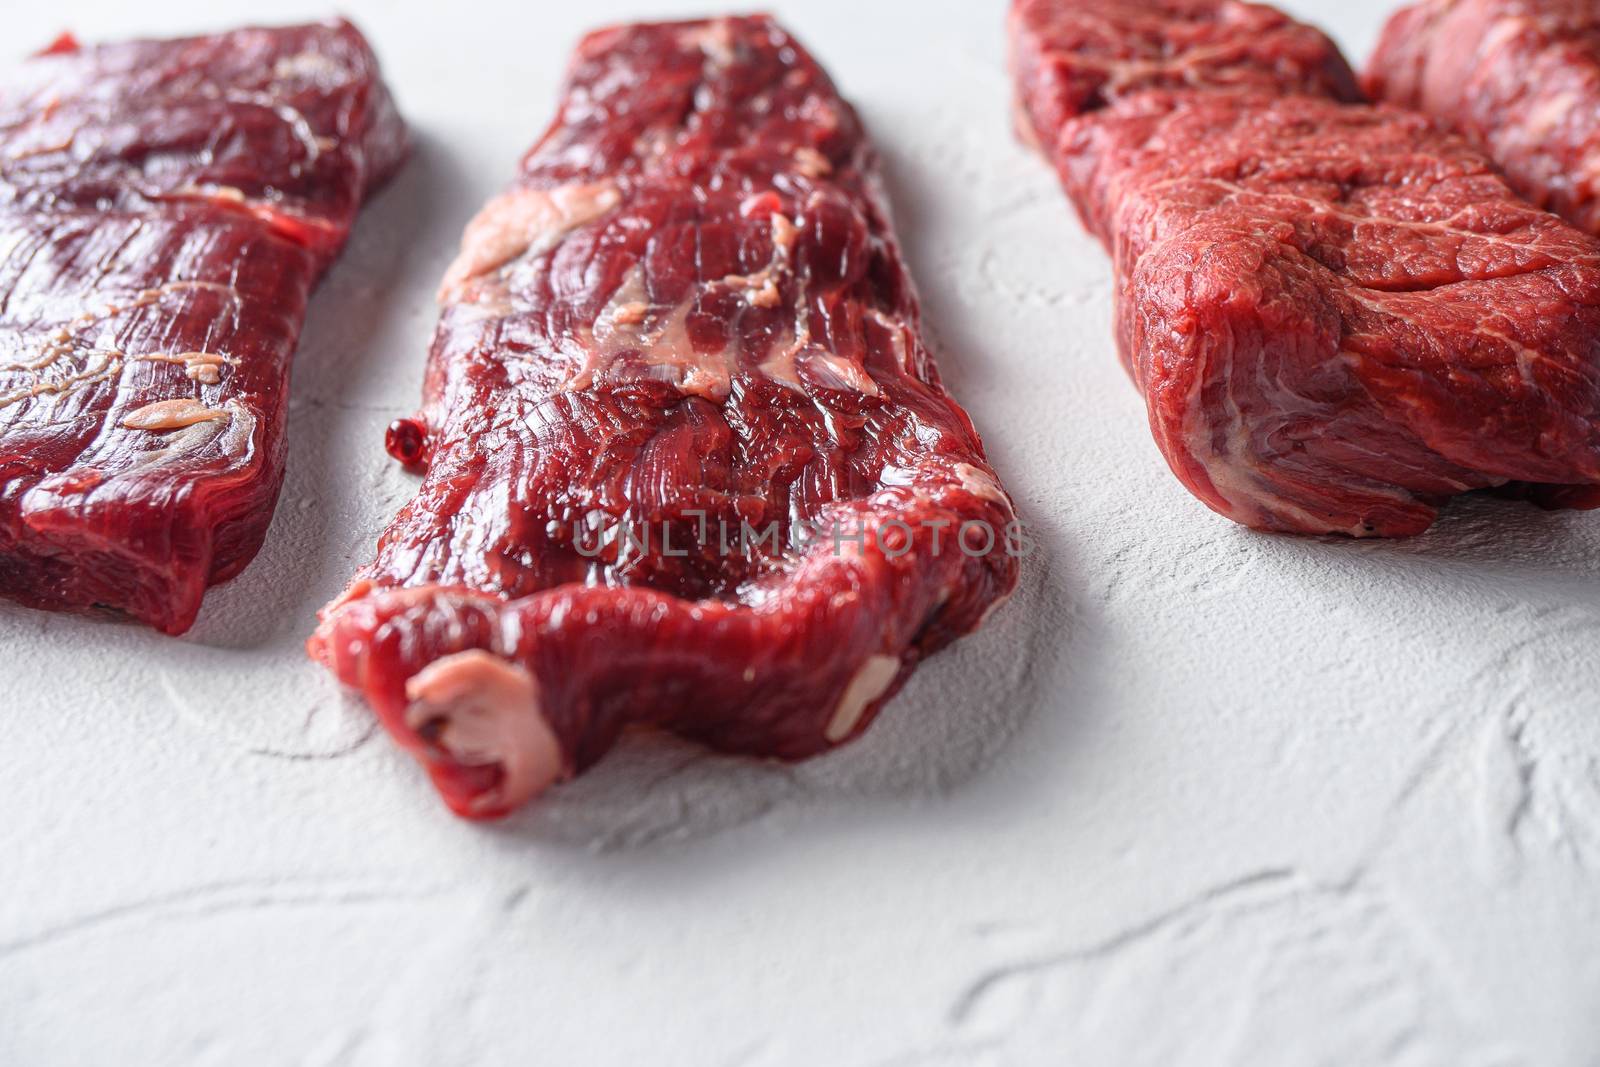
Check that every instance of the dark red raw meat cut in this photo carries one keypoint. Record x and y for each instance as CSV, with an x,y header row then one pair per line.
x,y
1519,77
165,209
1338,316
1071,58
687,318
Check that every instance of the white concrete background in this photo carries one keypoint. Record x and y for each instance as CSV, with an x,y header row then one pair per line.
x,y
1197,797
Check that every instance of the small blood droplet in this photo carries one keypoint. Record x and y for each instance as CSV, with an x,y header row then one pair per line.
x,y
63,45
406,440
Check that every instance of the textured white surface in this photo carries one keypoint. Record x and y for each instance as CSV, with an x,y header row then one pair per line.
x,y
1197,796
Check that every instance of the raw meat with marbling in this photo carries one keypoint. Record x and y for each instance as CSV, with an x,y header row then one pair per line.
x,y
1338,316
165,210
689,464
1519,77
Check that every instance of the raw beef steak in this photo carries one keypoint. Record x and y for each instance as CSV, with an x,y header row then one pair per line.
x,y
1520,77
1338,316
165,209
689,463
1070,58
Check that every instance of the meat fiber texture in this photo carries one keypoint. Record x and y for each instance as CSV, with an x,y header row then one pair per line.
x,y
1338,316
1520,77
689,464
165,210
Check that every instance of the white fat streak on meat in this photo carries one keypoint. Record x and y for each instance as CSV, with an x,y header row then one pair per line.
x,y
1227,469
233,195
837,372
530,222
145,298
1517,243
981,484
780,365
658,336
761,288
279,105
1233,470
1189,63
716,40
90,365
228,193
831,369
266,209
229,436
921,483
812,163
171,415
57,347
900,336
99,365
870,682
310,67
202,367
1236,470
41,142
1395,305
483,711
522,222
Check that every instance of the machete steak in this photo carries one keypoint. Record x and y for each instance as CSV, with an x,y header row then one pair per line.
x,y
165,209
1520,77
688,462
1338,317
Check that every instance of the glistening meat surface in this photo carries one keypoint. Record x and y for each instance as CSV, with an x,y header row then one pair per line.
x,y
1071,57
1520,77
688,461
165,209
1338,316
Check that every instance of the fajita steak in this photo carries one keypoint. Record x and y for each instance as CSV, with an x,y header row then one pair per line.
x,y
1338,316
1519,77
689,464
165,210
